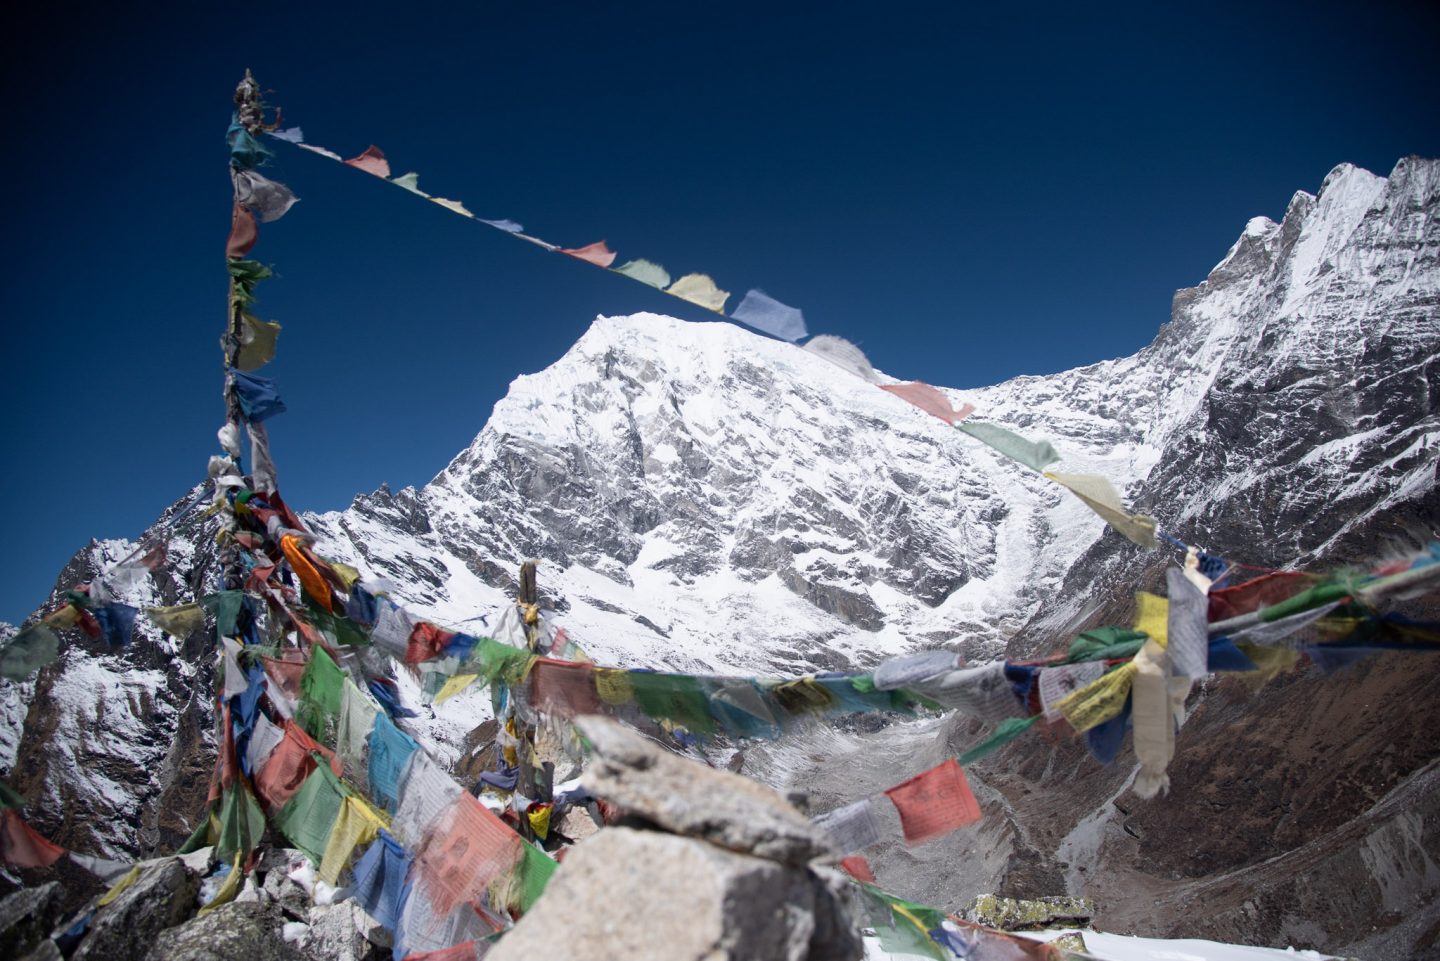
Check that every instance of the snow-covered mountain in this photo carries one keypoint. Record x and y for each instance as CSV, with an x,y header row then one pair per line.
x,y
704,498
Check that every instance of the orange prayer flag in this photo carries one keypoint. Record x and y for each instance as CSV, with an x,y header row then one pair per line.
x,y
858,868
21,847
310,577
934,803
372,161
930,400
564,688
596,253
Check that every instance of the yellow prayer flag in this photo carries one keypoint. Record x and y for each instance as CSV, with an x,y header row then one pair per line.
x,y
177,621
454,206
120,887
348,574
357,824
700,289
66,616
1152,617
454,686
613,685
1097,703
228,890
1101,497
540,821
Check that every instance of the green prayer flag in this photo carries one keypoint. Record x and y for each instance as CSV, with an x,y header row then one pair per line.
x,y
322,687
495,661
226,606
646,272
1317,596
1104,644
242,823
1035,455
535,870
410,182
9,798
1005,732
308,817
200,837
677,698
339,629
28,650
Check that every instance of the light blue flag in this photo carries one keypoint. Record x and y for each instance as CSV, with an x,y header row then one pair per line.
x,y
289,135
764,312
1032,454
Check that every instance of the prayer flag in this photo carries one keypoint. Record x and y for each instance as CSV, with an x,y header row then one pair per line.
x,y
263,197
1005,732
321,151
117,623
1099,701
378,884
289,135
308,818
257,342
700,289
425,791
934,803
244,232
930,400
509,226
563,688
763,312
21,846
410,182
289,765
1101,497
596,253
245,150
1033,454
982,691
646,272
466,849
912,669
1056,683
389,755
1188,630
372,161
358,823
1152,617
352,733
259,400
1263,591
852,827
454,206
27,651
843,354
426,642
858,868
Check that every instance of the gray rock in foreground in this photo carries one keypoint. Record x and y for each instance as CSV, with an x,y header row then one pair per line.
x,y
240,931
632,895
696,801
163,897
26,917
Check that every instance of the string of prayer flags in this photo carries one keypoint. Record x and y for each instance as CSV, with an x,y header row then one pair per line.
x,y
372,161
1033,454
934,803
853,827
259,399
646,272
410,182
597,253
763,312
700,290
1100,496
930,400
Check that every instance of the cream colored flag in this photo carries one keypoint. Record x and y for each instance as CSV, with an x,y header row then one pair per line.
x,y
700,289
1101,497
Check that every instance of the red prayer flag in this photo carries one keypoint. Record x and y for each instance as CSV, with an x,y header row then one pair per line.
x,y
426,642
21,847
289,765
243,233
934,802
372,161
596,253
858,868
1254,594
930,400
564,688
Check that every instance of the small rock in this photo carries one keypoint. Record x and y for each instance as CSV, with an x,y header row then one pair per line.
x,y
1034,914
338,932
26,917
693,800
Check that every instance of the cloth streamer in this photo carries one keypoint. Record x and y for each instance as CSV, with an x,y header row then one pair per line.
x,y
701,290
763,312
930,400
357,823
1101,497
358,712
1033,454
852,827
21,846
1056,683
646,272
934,803
27,651
244,232
597,253
379,880
257,342
372,161
1186,625
982,692
390,750
259,400
1158,705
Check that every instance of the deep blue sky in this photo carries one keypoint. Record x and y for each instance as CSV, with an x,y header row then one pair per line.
x,y
968,193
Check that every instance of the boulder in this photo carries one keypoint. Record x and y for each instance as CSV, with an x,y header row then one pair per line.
x,y
634,895
344,932
26,917
692,800
239,931
162,897
1033,914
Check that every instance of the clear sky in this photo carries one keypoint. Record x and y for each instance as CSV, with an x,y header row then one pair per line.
x,y
967,192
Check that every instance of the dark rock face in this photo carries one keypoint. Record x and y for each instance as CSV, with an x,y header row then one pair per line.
x,y
161,898
26,917
704,498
